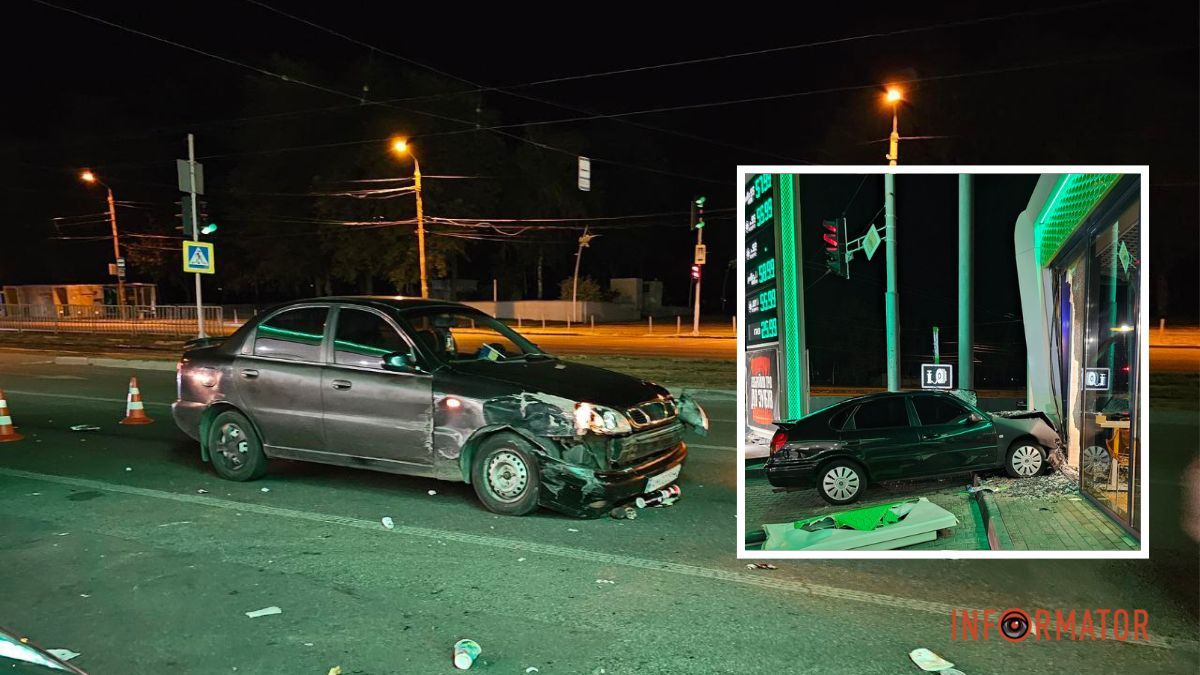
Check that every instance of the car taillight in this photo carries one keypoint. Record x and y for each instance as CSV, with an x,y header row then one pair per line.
x,y
778,441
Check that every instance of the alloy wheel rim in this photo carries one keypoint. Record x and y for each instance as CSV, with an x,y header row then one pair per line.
x,y
840,482
507,476
1027,460
1096,460
232,446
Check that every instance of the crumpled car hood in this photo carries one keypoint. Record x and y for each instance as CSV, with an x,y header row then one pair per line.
x,y
565,379
1033,422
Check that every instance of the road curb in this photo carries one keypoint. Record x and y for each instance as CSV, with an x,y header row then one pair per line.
x,y
997,534
108,362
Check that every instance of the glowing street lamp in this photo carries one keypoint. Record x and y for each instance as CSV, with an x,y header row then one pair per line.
x,y
400,146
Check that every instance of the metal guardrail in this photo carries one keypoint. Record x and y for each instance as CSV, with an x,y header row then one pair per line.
x,y
167,320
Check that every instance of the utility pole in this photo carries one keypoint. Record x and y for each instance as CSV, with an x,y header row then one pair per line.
x,y
195,231
420,226
698,224
584,240
966,290
891,300
112,216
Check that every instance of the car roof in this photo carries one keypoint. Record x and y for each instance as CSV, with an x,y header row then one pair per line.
x,y
875,396
395,302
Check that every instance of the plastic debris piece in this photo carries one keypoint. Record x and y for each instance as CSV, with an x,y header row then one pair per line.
x,y
63,654
531,669
760,566
520,560
623,513
336,670
265,490
85,427
571,529
431,493
201,491
928,661
465,653
129,468
605,581
388,522
84,595
308,644
658,496
265,611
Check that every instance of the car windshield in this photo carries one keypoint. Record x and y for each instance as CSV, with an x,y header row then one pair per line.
x,y
465,335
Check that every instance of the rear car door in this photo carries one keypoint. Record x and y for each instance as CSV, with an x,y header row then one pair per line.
x,y
880,431
950,441
279,377
372,412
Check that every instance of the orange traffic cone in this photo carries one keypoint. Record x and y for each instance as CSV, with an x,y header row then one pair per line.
x,y
134,412
7,432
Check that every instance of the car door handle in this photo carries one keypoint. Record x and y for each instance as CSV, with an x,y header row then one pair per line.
x,y
249,373
930,437
341,384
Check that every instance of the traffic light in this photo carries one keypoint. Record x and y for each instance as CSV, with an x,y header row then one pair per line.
x,y
833,235
696,272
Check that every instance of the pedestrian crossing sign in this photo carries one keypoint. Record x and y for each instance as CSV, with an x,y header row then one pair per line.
x,y
198,257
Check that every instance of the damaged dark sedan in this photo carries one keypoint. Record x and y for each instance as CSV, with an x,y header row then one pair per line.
x,y
430,388
904,435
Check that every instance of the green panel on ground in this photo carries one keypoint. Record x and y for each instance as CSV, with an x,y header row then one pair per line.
x,y
924,518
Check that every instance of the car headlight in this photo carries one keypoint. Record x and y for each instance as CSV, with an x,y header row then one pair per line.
x,y
599,419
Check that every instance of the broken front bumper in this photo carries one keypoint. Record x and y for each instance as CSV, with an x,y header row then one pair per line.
x,y
587,493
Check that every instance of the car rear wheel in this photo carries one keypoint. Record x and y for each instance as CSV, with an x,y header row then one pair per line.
x,y
1096,461
1025,459
504,473
841,481
234,448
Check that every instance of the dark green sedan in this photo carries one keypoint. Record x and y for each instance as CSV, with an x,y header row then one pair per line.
x,y
904,435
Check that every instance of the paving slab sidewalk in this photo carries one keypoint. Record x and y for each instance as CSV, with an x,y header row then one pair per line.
x,y
1059,524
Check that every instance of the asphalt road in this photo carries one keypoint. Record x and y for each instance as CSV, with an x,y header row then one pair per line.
x,y
109,549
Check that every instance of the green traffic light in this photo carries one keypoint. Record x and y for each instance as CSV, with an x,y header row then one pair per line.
x,y
209,228
700,201
699,224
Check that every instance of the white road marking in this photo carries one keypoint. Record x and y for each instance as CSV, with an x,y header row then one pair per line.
x,y
701,446
596,557
76,397
59,377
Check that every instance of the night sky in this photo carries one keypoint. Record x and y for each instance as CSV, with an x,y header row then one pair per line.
x,y
1054,83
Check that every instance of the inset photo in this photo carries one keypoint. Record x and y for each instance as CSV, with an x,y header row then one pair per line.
x,y
943,362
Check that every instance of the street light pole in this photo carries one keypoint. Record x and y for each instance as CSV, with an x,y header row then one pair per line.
x,y
698,223
88,177
891,298
195,232
401,147
584,240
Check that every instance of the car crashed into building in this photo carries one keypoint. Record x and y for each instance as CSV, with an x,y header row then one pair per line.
x,y
435,389
905,435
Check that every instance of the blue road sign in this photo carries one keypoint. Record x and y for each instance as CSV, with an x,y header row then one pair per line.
x,y
198,257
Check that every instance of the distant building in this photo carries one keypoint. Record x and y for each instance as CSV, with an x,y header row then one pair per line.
x,y
63,295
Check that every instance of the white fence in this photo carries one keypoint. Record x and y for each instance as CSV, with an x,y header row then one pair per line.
x,y
168,320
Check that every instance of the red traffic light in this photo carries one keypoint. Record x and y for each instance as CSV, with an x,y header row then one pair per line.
x,y
830,235
695,271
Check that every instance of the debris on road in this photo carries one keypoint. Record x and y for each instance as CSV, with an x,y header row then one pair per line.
x,y
928,661
658,497
571,529
1051,486
531,669
465,653
760,566
520,560
336,670
63,654
265,490
201,491
623,513
388,522
605,581
85,427
431,493
265,611
128,468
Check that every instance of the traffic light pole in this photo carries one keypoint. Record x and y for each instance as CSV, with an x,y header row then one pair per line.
x,y
699,225
195,232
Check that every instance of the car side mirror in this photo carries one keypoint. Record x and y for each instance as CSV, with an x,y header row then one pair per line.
x,y
974,418
400,362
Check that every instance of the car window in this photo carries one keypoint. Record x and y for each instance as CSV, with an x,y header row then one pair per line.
x,y
887,412
937,410
294,334
838,421
457,335
363,338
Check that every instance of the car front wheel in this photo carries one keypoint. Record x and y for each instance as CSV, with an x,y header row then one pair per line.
x,y
504,473
841,482
1025,459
